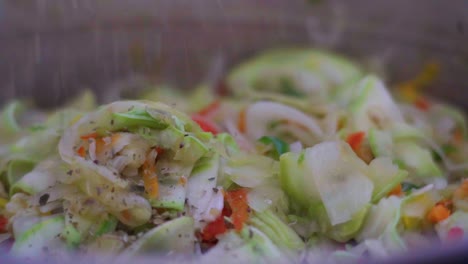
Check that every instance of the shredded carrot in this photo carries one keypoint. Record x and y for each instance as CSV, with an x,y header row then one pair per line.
x,y
397,191
126,214
355,140
217,227
3,224
422,104
241,123
438,213
89,136
150,179
81,152
100,146
99,141
237,200
447,203
209,109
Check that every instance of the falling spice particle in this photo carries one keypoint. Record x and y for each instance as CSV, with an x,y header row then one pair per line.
x,y
43,199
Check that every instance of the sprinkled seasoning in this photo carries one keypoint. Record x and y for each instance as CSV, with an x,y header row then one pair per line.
x,y
43,199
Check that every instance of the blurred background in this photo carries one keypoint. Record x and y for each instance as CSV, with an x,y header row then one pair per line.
x,y
50,49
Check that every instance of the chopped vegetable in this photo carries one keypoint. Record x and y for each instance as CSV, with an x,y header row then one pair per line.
x,y
241,122
213,229
150,179
438,213
237,200
355,140
279,146
93,135
138,117
205,124
81,152
397,191
308,160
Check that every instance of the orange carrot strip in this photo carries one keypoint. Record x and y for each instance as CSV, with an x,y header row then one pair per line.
x,y
150,179
241,123
81,152
89,136
237,200
126,215
355,140
398,190
182,181
438,213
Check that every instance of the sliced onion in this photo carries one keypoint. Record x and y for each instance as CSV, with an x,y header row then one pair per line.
x,y
260,114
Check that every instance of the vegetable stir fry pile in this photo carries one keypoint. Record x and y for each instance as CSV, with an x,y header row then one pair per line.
x,y
307,159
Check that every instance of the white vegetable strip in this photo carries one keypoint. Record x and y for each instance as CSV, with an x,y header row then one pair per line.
x,y
260,114
340,177
204,198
